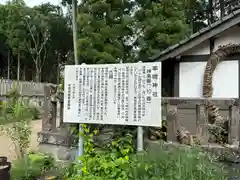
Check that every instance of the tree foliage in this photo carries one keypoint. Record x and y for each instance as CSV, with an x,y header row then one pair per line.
x,y
104,29
36,42
114,30
159,25
39,37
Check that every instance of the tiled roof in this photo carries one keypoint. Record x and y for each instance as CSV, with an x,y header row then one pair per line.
x,y
200,36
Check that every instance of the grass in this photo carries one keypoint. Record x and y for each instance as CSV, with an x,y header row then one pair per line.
x,y
4,121
178,163
37,165
168,164
6,116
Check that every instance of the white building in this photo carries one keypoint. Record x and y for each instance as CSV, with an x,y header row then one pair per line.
x,y
183,64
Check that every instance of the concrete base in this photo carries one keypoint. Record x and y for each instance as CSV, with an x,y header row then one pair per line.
x,y
58,144
59,152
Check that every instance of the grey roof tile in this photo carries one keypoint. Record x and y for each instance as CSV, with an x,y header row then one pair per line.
x,y
202,31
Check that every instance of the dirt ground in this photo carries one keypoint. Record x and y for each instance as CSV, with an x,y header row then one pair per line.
x,y
7,147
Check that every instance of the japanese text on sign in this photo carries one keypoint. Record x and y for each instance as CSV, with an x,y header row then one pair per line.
x,y
124,94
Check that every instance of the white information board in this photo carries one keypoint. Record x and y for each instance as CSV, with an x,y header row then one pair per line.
x,y
120,94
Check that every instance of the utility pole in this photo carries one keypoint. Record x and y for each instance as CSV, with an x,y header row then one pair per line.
x,y
74,28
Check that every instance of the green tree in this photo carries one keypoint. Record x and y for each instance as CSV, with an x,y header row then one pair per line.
x,y
159,24
37,40
104,29
4,48
60,43
49,37
197,14
15,29
38,26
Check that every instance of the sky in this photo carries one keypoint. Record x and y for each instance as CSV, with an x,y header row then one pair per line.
x,y
37,2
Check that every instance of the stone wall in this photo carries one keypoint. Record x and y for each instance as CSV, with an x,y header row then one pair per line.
x,y
56,139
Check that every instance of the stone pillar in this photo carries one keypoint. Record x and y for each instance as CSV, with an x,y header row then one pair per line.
x,y
233,126
53,140
202,122
46,106
61,114
60,99
172,123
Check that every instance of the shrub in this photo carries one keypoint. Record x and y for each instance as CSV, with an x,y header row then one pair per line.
x,y
112,163
10,106
32,167
118,162
34,111
15,110
20,131
177,163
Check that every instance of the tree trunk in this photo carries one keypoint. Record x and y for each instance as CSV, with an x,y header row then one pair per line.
x,y
24,72
33,74
18,66
58,68
38,74
38,70
8,70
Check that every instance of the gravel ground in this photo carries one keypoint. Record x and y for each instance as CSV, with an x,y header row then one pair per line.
x,y
7,147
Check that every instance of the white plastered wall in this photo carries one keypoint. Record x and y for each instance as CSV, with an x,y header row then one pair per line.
x,y
201,49
225,79
231,35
